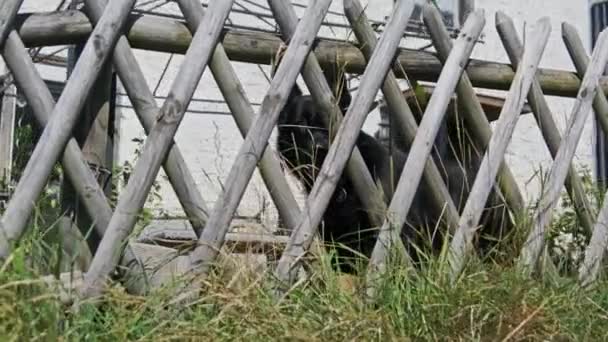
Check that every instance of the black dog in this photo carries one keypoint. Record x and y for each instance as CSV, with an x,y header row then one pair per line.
x,y
303,142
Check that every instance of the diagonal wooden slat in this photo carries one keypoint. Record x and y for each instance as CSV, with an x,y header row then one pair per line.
x,y
545,120
400,109
59,129
77,170
474,116
486,177
535,241
244,114
421,147
322,95
155,148
594,254
257,137
146,109
343,144
579,56
8,13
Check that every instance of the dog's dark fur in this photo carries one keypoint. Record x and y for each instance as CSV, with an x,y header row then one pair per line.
x,y
303,142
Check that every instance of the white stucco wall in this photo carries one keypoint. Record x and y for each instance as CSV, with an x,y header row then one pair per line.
x,y
201,136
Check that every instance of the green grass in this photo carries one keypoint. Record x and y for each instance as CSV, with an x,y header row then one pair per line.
x,y
488,303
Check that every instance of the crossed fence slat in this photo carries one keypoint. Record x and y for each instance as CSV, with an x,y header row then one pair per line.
x,y
236,99
257,138
77,170
156,147
322,95
486,176
535,241
590,268
544,118
146,110
475,119
8,14
58,131
401,111
343,144
421,147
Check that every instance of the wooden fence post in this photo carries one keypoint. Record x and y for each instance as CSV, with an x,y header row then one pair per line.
x,y
343,144
59,129
91,133
594,254
155,148
146,109
322,94
422,146
545,120
42,103
535,242
244,114
7,126
486,177
257,137
404,117
475,119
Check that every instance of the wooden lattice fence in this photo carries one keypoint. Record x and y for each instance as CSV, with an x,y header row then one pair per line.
x,y
109,42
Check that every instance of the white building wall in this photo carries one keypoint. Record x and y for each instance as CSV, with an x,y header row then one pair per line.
x,y
210,141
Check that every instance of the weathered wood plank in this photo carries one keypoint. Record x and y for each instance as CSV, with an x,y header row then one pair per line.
x,y
474,117
59,129
535,241
422,146
142,99
594,254
155,148
257,138
322,94
402,113
546,122
7,127
462,242
166,35
343,145
8,14
244,114
41,101
91,133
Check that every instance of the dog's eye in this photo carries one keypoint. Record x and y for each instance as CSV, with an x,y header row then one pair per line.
x,y
342,194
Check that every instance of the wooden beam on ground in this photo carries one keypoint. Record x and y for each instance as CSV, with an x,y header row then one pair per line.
x,y
169,35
